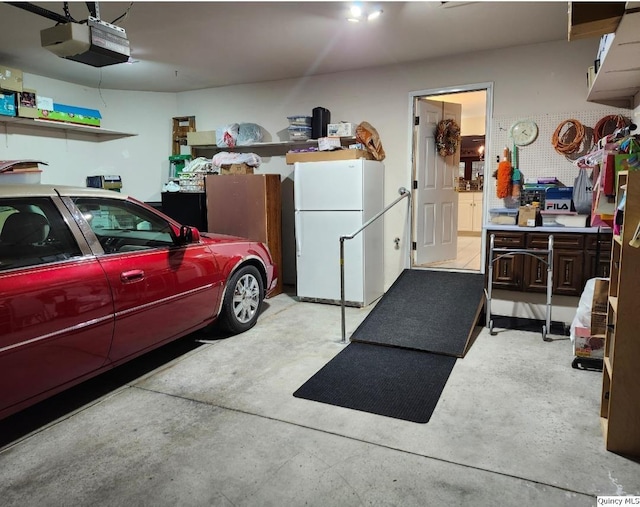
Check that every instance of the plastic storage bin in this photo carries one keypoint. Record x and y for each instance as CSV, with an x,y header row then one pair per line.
x,y
299,133
503,216
299,121
19,178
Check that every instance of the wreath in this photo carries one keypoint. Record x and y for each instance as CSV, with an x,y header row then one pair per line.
x,y
447,137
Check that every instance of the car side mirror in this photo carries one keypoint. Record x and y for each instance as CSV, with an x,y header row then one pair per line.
x,y
188,235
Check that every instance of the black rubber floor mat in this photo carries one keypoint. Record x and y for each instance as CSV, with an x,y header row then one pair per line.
x,y
393,382
432,311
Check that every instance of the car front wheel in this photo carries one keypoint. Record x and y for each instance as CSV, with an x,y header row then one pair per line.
x,y
242,300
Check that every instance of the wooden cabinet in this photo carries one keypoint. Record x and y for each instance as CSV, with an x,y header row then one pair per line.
x,y
568,260
597,256
188,208
470,212
247,205
508,270
620,405
576,258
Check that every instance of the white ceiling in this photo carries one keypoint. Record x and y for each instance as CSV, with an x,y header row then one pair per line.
x,y
179,46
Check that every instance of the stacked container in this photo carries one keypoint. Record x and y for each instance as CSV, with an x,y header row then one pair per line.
x,y
299,127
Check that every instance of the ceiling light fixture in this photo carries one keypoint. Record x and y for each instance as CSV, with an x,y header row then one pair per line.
x,y
357,14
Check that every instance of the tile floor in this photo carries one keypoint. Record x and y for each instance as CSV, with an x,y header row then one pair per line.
x,y
468,256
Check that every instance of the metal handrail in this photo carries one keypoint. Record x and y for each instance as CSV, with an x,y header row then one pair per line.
x,y
403,193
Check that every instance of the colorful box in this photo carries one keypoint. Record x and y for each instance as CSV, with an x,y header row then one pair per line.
x,y
343,129
586,345
27,104
558,199
71,114
7,103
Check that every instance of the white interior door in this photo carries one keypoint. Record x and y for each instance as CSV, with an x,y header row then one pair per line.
x,y
435,198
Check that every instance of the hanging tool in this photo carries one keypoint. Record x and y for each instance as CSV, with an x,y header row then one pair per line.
x,y
504,175
516,176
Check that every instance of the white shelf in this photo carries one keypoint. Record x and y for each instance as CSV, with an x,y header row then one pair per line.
x,y
618,78
80,132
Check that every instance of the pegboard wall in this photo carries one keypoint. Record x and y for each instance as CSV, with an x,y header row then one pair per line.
x,y
539,159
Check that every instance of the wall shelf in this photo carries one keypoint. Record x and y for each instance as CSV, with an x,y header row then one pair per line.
x,y
277,148
46,127
618,79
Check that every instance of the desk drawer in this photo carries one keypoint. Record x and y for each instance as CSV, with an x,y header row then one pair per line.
x,y
564,241
508,240
592,242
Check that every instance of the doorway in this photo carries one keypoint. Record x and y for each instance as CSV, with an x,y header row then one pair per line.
x,y
458,220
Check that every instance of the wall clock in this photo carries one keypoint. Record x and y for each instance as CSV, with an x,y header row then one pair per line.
x,y
523,132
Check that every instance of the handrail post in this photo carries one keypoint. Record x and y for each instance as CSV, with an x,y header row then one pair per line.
x,y
403,193
344,338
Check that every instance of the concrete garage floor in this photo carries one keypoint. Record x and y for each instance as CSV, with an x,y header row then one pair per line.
x,y
218,425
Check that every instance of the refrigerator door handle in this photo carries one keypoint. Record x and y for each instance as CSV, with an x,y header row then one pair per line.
x,y
298,232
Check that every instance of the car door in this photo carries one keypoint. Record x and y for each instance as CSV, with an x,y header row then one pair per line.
x,y
56,311
161,290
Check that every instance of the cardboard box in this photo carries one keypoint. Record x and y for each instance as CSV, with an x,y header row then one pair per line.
x,y
71,114
527,216
585,345
598,324
27,104
558,199
10,79
202,138
599,303
236,169
7,103
599,307
323,156
341,129
329,143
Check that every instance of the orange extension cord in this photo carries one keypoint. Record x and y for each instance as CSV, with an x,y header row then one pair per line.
x,y
561,143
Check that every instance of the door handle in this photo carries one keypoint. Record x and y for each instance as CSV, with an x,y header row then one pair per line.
x,y
298,232
135,275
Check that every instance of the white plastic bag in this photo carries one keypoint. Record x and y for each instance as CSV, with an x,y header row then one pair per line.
x,y
583,192
583,312
227,136
249,133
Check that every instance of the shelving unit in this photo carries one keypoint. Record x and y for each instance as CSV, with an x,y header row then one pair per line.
x,y
618,77
620,404
71,130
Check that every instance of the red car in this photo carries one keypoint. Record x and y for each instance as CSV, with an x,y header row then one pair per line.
x,y
92,278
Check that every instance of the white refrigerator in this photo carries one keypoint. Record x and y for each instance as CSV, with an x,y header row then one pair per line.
x,y
334,199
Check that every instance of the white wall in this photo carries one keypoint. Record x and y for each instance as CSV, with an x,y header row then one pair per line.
x,y
530,80
537,79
